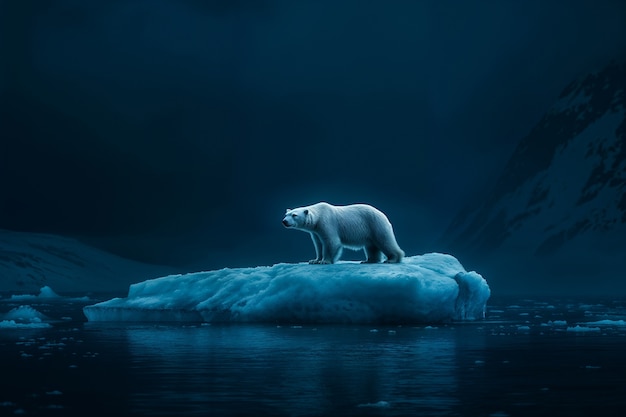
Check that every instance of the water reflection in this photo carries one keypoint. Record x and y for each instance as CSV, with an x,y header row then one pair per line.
x,y
528,358
230,370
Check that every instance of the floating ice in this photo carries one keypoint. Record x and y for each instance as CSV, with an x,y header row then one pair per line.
x,y
583,329
11,324
428,288
608,323
379,404
555,323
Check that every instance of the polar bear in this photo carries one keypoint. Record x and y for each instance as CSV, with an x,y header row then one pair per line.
x,y
356,226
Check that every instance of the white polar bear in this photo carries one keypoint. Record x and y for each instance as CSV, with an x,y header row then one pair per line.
x,y
357,226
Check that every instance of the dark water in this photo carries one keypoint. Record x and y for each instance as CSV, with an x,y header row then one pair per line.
x,y
524,360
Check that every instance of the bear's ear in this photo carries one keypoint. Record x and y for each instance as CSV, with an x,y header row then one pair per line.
x,y
287,211
306,212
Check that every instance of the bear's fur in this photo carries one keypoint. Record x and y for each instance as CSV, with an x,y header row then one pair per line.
x,y
356,226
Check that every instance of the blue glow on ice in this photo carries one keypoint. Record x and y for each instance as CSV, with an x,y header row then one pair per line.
x,y
427,288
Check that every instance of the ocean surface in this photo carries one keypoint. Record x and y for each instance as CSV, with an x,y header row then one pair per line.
x,y
529,357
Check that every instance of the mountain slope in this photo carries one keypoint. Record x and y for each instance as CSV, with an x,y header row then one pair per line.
x,y
560,203
29,261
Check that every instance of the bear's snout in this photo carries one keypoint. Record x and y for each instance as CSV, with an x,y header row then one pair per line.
x,y
285,223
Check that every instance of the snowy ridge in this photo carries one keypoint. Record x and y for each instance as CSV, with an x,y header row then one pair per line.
x,y
566,177
564,189
428,288
29,261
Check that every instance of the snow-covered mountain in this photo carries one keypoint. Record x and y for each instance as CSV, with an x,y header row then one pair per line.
x,y
559,207
28,261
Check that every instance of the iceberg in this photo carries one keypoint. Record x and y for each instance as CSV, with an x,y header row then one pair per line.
x,y
25,313
45,292
23,317
427,288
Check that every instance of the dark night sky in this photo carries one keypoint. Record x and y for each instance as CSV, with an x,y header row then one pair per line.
x,y
179,131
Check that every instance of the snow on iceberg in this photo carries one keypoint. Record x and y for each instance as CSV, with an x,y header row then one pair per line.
x,y
427,288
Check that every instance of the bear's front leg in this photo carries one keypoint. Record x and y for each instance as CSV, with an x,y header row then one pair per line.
x,y
318,249
331,252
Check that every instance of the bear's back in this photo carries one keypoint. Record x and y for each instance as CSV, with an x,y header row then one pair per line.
x,y
359,223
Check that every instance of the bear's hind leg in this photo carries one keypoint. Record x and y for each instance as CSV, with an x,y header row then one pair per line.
x,y
393,253
394,257
373,254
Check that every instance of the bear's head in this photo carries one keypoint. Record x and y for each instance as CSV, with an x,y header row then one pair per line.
x,y
299,218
